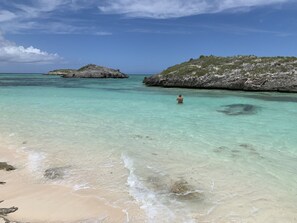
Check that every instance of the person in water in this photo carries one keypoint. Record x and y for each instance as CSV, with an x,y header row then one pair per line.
x,y
180,99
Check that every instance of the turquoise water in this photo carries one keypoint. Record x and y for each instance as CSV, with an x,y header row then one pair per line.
x,y
234,153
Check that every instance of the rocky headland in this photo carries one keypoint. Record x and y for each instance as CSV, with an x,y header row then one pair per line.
x,y
89,71
248,73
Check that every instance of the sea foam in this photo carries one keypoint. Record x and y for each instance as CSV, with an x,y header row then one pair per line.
x,y
147,198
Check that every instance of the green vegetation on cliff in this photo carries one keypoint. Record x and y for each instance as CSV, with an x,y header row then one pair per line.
x,y
251,65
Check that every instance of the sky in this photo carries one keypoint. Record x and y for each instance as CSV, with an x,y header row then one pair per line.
x,y
140,36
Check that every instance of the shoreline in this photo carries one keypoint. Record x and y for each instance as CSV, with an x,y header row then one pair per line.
x,y
45,202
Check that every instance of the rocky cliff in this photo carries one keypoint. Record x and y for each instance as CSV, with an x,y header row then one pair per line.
x,y
89,71
249,73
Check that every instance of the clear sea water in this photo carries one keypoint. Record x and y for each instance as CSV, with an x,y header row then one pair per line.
x,y
222,156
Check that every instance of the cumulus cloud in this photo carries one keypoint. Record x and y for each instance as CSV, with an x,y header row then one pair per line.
x,y
10,52
162,9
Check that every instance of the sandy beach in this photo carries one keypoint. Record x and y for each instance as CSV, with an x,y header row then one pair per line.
x,y
45,202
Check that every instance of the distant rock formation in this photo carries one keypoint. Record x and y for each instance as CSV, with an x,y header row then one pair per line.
x,y
89,71
248,73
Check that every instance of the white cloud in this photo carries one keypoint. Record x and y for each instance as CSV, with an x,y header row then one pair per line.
x,y
10,52
177,8
41,16
47,16
6,15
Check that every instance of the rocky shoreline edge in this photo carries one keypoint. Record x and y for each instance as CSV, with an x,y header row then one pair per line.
x,y
246,73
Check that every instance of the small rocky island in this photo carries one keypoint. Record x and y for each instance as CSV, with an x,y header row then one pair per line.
x,y
89,71
248,73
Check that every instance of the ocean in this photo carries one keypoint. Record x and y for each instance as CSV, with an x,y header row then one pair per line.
x,y
221,156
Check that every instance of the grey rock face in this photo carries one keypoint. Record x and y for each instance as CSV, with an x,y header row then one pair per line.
x,y
89,71
248,73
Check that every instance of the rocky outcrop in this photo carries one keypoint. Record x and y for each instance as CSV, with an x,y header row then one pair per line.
x,y
248,73
89,71
4,212
5,166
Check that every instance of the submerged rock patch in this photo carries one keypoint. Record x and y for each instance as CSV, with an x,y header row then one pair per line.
x,y
238,109
55,173
179,189
237,151
184,190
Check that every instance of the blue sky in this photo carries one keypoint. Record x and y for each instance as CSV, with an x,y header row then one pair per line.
x,y
140,36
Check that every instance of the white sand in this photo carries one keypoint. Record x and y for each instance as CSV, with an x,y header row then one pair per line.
x,y
41,202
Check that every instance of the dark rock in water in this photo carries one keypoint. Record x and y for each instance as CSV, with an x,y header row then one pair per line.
x,y
251,150
6,211
5,166
238,109
179,187
247,146
89,71
182,189
220,149
247,73
55,173
239,151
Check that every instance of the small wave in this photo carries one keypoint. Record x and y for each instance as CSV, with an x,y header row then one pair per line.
x,y
77,187
35,161
149,200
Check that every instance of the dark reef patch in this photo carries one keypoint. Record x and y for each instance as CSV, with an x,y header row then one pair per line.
x,y
55,173
243,150
238,109
178,189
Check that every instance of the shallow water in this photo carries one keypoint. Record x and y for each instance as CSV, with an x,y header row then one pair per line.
x,y
231,155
